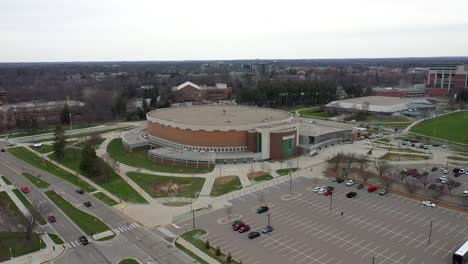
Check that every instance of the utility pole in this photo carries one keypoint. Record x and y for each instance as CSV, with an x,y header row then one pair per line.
x,y
290,185
331,200
430,232
268,219
373,259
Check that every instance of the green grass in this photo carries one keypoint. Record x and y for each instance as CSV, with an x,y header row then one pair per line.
x,y
29,206
313,112
189,186
87,222
4,197
220,188
128,261
5,179
36,161
57,240
191,254
392,156
98,132
36,181
193,237
452,127
44,149
93,143
286,171
457,158
104,198
139,159
262,178
51,130
116,185
400,126
19,244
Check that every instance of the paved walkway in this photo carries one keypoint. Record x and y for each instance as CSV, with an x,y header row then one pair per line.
x,y
196,251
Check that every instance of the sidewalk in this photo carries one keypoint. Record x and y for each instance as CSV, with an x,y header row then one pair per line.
x,y
196,251
44,255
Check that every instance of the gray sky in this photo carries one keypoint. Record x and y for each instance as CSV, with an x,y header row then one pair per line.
x,y
95,30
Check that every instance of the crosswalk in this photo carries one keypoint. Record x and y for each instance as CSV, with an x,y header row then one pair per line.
x,y
73,244
115,241
125,228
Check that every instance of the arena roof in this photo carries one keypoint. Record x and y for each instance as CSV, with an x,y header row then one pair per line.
x,y
383,104
220,115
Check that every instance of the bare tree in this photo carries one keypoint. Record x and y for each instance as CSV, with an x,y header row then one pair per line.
x,y
387,181
450,186
424,179
7,220
365,176
334,162
382,167
350,160
463,201
362,163
411,185
437,192
402,175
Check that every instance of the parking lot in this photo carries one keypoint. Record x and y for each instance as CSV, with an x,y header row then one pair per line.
x,y
388,228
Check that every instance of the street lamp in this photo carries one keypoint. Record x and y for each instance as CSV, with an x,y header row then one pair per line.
x,y
11,254
71,124
331,200
290,185
430,232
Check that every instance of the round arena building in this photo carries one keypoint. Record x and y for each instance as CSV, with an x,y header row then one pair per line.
x,y
210,134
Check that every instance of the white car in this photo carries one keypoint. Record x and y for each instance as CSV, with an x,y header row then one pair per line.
x,y
316,189
350,183
322,191
443,177
443,181
461,171
465,193
445,171
428,203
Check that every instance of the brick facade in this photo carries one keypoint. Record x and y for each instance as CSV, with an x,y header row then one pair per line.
x,y
276,142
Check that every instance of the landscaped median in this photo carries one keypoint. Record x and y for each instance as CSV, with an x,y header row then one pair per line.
x,y
260,176
115,184
283,172
193,237
88,223
38,162
163,186
139,159
36,181
5,179
29,206
105,199
225,184
396,156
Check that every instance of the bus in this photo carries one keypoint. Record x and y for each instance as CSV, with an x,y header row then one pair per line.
x,y
461,255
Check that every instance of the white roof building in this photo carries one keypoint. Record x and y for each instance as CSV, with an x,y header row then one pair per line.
x,y
380,104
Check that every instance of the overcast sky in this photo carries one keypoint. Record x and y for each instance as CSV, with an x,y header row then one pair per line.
x,y
96,30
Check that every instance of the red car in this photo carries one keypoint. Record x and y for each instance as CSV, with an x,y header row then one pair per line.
x,y
238,226
51,218
327,193
372,188
244,228
25,189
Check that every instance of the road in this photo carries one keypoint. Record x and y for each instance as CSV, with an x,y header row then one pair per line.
x,y
133,240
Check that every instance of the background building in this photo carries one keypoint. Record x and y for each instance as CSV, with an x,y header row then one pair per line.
x,y
190,92
443,78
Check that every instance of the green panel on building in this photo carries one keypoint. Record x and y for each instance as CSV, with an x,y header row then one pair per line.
x,y
288,147
259,142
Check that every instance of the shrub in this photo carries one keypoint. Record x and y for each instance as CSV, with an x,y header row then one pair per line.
x,y
218,251
207,244
229,258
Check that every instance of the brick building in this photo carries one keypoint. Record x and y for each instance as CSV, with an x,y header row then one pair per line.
x,y
190,92
445,78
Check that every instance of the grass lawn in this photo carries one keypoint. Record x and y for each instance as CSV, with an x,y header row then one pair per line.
x,y
44,149
36,161
87,222
313,112
116,185
286,171
19,244
190,253
36,181
400,126
451,127
392,156
379,118
154,185
29,206
457,158
57,240
5,179
4,197
93,143
129,261
225,184
98,132
104,198
262,178
139,159
193,237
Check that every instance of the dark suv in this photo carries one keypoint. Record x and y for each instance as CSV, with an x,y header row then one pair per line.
x,y
83,240
87,204
351,194
262,209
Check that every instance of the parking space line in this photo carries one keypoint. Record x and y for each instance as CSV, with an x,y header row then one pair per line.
x,y
438,249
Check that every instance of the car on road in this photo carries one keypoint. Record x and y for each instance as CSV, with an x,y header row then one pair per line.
x,y
235,222
351,194
254,234
360,186
25,189
350,183
244,228
428,203
79,191
51,218
327,193
372,188
87,204
465,193
434,169
383,192
83,240
238,226
267,229
262,209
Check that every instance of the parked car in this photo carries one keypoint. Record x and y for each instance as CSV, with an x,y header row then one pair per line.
x,y
83,240
51,218
461,171
330,188
456,170
351,194
444,171
316,189
465,193
339,180
360,186
262,209
426,146
372,188
267,229
235,222
25,189
350,183
254,234
79,191
238,226
244,228
383,192
434,169
322,191
327,193
429,204
335,179
87,204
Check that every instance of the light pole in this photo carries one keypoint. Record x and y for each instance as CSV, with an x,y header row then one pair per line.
x,y
11,254
71,124
430,232
373,259
193,219
290,185
331,200
268,223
